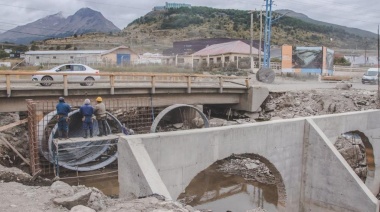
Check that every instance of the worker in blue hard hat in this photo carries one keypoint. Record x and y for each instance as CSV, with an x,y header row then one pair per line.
x,y
87,112
101,116
63,110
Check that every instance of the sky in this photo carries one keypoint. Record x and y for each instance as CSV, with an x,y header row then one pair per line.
x,y
352,13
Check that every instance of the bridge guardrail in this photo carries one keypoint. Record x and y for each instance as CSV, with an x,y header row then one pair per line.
x,y
13,77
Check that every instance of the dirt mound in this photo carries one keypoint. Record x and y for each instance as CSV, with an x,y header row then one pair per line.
x,y
318,102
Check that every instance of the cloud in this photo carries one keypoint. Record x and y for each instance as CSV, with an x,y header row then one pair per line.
x,y
343,12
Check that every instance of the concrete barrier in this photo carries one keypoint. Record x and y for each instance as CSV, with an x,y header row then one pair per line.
x,y
315,176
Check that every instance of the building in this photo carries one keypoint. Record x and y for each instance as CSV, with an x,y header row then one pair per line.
x,y
117,56
176,5
192,46
171,6
221,53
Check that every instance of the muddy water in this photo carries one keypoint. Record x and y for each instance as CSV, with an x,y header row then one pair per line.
x,y
108,183
215,191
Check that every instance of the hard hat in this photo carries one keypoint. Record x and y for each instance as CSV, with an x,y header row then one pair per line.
x,y
61,99
99,99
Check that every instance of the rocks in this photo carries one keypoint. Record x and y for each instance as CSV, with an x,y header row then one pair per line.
x,y
80,198
269,107
215,122
178,125
309,110
197,122
81,208
252,116
343,86
351,147
61,189
248,168
318,102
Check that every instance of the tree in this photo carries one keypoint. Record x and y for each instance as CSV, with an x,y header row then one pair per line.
x,y
3,54
58,48
68,46
34,47
75,35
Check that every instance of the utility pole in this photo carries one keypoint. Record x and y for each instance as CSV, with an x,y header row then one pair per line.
x,y
251,44
268,26
378,63
261,35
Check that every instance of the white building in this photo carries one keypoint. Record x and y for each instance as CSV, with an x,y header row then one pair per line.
x,y
116,56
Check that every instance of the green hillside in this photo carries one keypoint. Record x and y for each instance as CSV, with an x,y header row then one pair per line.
x,y
160,29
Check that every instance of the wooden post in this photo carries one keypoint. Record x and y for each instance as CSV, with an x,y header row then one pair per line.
x,y
65,87
8,82
247,83
112,83
188,84
220,84
153,84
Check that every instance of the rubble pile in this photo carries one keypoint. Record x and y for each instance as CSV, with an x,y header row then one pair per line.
x,y
63,197
248,168
351,147
17,136
317,102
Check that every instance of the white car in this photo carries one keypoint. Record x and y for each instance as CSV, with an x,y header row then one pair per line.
x,y
88,80
370,76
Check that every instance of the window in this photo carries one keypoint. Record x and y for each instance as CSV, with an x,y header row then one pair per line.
x,y
71,57
78,68
219,59
181,60
54,57
37,57
227,59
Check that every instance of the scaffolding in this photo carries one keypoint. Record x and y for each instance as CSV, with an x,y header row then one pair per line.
x,y
47,154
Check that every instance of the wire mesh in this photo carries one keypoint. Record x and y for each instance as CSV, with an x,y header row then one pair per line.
x,y
133,113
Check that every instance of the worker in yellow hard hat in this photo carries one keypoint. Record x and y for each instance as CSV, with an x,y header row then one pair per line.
x,y
101,116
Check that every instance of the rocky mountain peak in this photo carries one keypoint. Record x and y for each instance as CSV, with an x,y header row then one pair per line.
x,y
83,21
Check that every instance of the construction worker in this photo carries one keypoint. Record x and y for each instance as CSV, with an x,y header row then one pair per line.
x,y
87,112
101,116
63,110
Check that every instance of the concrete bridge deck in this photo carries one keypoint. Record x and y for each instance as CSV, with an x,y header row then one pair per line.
x,y
312,174
164,89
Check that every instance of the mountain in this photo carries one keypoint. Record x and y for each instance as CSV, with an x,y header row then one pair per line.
x,y
305,18
161,28
83,21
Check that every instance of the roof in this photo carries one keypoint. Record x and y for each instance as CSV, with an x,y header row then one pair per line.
x,y
237,47
114,49
100,52
65,52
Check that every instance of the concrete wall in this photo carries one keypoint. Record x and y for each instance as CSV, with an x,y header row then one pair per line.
x,y
328,182
315,175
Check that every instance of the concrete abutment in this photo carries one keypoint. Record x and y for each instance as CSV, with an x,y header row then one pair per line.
x,y
315,176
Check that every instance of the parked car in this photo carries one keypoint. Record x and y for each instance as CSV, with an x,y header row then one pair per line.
x,y
370,76
45,78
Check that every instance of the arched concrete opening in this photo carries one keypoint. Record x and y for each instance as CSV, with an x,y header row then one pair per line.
x,y
237,183
186,116
356,149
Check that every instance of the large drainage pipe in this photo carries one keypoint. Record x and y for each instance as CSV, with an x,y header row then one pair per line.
x,y
80,156
167,110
